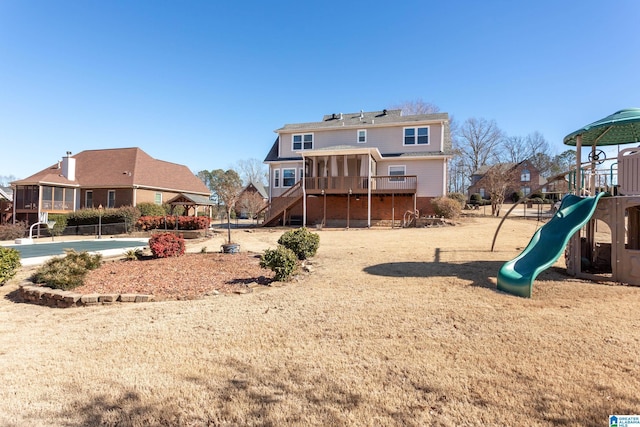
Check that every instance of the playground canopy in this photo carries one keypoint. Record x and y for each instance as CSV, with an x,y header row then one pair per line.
x,y
621,127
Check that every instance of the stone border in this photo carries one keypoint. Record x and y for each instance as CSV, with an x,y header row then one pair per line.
x,y
58,298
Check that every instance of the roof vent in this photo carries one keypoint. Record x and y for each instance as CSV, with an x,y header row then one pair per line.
x,y
361,114
384,112
333,116
340,116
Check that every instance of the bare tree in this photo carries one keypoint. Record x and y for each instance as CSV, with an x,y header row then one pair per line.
x,y
251,202
478,141
515,149
253,170
227,185
539,153
417,106
497,180
6,179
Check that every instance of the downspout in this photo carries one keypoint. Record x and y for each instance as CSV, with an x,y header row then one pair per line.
x,y
369,191
442,136
304,194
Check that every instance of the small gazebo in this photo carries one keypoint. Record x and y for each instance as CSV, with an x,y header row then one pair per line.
x,y
191,203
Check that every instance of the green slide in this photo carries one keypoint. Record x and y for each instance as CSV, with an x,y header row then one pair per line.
x,y
547,244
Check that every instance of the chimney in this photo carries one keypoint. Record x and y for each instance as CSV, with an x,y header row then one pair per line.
x,y
69,167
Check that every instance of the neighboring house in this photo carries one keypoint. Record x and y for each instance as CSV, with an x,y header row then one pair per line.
x,y
527,179
6,204
252,198
357,169
108,178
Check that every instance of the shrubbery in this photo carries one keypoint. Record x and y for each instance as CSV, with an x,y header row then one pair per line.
x,y
475,198
9,264
301,241
60,225
446,207
151,209
184,222
13,231
67,272
164,245
125,214
283,261
461,198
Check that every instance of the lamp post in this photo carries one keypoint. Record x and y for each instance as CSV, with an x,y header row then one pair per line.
x,y
100,221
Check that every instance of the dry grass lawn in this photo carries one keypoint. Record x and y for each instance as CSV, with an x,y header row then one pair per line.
x,y
394,327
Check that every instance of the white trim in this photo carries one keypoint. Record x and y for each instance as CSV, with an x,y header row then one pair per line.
x,y
358,136
276,178
404,172
415,128
302,135
85,198
114,198
282,184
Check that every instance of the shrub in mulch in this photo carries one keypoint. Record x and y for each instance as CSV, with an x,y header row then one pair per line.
x,y
66,272
164,245
9,264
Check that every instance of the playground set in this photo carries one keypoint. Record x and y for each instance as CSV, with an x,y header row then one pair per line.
x,y
597,225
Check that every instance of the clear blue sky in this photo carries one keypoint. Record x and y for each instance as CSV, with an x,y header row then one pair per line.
x,y
205,83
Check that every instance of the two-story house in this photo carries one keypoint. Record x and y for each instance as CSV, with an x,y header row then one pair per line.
x,y
107,178
525,178
358,169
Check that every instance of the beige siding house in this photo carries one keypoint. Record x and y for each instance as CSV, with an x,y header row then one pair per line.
x,y
358,169
109,178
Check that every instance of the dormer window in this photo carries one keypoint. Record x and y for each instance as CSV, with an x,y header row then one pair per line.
x,y
303,142
418,135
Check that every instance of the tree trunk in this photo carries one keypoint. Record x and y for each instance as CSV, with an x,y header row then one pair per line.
x,y
229,225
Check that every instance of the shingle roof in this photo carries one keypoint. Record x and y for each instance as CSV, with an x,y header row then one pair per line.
x,y
363,119
122,167
6,193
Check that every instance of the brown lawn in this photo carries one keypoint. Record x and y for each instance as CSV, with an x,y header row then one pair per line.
x,y
393,327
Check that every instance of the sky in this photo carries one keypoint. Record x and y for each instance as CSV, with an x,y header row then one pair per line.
x,y
206,83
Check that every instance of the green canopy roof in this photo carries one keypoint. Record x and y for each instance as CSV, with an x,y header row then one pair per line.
x,y
622,127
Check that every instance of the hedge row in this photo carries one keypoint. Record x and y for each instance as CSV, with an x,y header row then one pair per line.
x,y
184,222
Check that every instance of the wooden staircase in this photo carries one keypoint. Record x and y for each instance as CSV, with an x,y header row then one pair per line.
x,y
277,209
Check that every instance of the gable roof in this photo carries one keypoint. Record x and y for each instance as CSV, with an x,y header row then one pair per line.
x,y
6,193
121,167
364,119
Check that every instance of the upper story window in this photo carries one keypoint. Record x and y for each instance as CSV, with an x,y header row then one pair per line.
x,y
276,178
418,135
525,175
303,141
111,199
288,177
362,136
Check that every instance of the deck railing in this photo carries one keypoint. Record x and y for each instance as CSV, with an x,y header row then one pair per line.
x,y
359,184
280,203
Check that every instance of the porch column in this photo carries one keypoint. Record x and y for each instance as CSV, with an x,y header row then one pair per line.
x,y
578,164
369,191
304,194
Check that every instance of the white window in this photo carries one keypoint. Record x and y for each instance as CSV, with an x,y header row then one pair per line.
x,y
111,199
525,176
88,199
288,177
482,193
276,178
525,190
362,136
397,173
303,141
158,198
418,135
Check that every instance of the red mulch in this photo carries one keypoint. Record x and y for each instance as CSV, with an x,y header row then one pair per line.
x,y
189,276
